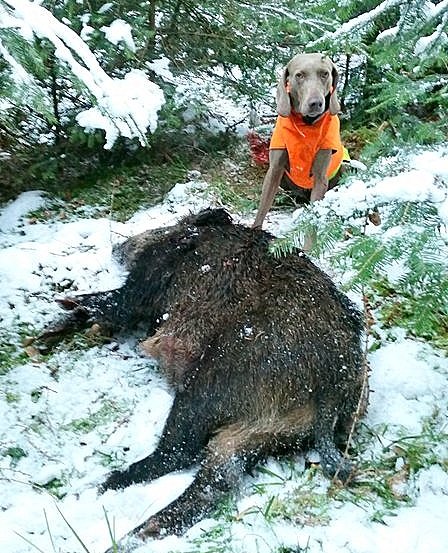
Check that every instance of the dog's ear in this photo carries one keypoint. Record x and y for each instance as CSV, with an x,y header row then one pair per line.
x,y
283,100
334,106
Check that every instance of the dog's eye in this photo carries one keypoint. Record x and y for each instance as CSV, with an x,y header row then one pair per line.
x,y
324,75
300,76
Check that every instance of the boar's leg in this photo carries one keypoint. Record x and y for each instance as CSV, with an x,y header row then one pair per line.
x,y
234,450
63,327
332,461
181,445
85,310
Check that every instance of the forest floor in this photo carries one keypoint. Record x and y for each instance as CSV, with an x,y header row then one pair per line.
x,y
69,418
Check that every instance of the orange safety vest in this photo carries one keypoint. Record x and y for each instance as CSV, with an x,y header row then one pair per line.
x,y
303,141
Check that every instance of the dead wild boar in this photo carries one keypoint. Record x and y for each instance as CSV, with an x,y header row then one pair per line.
x,y
264,355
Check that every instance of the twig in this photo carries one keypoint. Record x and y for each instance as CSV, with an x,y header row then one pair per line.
x,y
363,394
29,542
365,374
72,529
49,531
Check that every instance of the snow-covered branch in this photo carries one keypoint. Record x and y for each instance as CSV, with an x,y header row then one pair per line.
x,y
126,106
357,22
439,35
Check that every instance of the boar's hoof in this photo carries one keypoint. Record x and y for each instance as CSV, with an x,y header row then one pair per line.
x,y
151,529
159,526
115,481
339,469
168,350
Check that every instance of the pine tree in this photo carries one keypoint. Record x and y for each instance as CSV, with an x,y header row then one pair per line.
x,y
396,59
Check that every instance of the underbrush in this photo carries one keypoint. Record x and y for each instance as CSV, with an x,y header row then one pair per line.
x,y
13,344
117,195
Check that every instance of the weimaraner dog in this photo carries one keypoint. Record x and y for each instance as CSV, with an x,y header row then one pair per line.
x,y
306,89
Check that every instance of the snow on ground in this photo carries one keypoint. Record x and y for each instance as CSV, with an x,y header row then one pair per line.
x,y
67,420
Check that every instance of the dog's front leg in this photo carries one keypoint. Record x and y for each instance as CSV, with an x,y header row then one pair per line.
x,y
278,160
319,172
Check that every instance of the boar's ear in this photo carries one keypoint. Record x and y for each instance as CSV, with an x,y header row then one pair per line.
x,y
334,106
283,100
213,217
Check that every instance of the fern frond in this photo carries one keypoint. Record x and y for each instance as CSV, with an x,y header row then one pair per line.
x,y
288,243
369,256
417,213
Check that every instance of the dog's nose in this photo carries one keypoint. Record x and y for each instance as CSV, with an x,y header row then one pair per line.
x,y
315,105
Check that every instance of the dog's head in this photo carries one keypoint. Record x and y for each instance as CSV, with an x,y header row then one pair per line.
x,y
308,83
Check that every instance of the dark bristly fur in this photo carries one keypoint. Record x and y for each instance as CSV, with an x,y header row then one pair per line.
x,y
264,354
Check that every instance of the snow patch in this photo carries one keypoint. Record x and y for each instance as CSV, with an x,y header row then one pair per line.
x,y
12,215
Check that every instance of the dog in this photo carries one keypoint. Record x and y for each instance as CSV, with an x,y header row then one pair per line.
x,y
306,149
